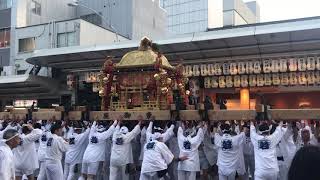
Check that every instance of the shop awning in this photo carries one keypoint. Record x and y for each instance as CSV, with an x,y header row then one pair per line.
x,y
274,39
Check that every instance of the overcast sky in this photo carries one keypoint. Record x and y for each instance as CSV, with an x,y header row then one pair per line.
x,y
273,10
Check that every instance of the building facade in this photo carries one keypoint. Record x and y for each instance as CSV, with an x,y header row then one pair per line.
x,y
189,16
132,19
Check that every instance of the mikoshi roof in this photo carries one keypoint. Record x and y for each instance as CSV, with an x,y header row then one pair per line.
x,y
142,58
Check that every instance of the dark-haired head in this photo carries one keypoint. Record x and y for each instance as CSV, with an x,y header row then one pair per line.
x,y
264,128
305,164
11,137
56,129
225,128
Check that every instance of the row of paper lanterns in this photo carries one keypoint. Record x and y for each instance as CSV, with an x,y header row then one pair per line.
x,y
260,80
254,67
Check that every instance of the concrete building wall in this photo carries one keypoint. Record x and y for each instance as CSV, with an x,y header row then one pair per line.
x,y
236,12
4,56
215,14
91,34
121,16
255,8
148,19
50,10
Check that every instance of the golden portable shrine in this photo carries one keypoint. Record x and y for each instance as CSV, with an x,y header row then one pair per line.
x,y
142,80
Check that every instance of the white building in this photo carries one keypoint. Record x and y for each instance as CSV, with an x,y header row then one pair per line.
x,y
189,16
59,34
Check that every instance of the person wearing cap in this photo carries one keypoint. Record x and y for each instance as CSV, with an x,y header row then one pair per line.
x,y
78,142
156,158
25,155
95,151
306,137
121,151
56,146
10,141
229,152
188,145
264,143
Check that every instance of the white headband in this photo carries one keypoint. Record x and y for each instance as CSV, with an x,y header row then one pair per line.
x,y
6,140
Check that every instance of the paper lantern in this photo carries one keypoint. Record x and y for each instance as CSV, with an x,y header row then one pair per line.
x,y
318,63
260,80
241,67
267,79
257,67
311,63
222,82
276,79
252,80
310,77
284,79
293,79
267,66
210,69
293,64
214,82
283,65
237,81
226,68
244,81
249,67
302,78
317,77
195,70
188,71
275,66
229,82
95,87
207,82
233,68
217,69
204,69
302,64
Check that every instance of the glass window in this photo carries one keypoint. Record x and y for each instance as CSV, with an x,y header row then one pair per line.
x,y
5,4
27,44
36,7
93,18
66,39
4,38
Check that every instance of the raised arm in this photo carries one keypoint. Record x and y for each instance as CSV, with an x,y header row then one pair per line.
x,y
168,134
105,135
34,135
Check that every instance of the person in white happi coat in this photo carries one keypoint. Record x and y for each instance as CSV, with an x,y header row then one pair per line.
x,y
78,142
46,134
56,146
25,155
306,137
121,151
264,143
95,151
188,146
10,140
248,153
228,152
156,158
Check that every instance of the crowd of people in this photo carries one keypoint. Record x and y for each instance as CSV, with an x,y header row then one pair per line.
x,y
152,150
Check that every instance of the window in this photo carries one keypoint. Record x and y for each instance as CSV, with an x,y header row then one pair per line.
x,y
19,72
27,44
93,18
66,39
4,38
36,7
5,4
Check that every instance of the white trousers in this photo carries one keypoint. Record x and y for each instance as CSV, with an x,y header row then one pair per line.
x,y
232,176
150,176
283,172
42,172
187,175
69,171
250,166
118,173
265,175
54,170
